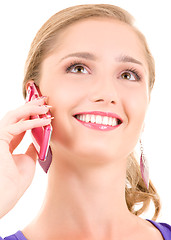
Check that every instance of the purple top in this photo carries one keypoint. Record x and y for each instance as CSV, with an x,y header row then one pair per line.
x,y
17,236
164,228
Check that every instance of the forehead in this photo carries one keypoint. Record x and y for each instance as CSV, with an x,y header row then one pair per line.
x,y
103,36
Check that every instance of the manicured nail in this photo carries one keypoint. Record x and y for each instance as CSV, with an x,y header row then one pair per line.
x,y
48,117
48,106
42,97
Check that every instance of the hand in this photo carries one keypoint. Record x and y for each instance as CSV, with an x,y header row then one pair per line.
x,y
17,170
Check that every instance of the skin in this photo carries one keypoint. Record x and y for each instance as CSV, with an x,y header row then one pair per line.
x,y
85,197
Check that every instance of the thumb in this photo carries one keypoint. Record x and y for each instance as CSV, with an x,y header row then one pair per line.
x,y
31,152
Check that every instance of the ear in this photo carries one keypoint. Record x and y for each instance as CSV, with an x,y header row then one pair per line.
x,y
36,88
28,84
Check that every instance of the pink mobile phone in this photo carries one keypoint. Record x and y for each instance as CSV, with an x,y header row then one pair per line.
x,y
40,135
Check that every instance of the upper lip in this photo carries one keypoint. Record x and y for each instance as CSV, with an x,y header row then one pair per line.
x,y
108,114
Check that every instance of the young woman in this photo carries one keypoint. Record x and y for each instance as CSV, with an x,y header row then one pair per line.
x,y
96,71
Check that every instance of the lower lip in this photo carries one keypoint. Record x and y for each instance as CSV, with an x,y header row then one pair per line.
x,y
98,126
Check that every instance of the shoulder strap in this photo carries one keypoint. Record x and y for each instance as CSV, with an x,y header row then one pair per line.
x,y
17,236
164,228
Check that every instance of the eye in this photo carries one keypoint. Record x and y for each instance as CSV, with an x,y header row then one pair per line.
x,y
127,76
76,68
79,69
130,75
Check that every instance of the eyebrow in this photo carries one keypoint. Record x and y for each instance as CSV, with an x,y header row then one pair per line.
x,y
126,58
90,56
85,55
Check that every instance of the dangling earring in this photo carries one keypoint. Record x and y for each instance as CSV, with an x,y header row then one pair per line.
x,y
144,166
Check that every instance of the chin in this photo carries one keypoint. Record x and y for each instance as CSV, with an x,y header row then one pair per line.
x,y
94,153
88,152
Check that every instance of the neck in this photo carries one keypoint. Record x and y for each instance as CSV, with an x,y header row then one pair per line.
x,y
89,202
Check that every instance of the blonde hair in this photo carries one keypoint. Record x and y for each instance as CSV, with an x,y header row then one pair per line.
x,y
43,44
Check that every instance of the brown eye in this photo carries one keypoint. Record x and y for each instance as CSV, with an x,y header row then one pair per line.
x,y
79,69
128,76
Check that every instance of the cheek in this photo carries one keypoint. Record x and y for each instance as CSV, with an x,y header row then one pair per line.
x,y
136,108
63,100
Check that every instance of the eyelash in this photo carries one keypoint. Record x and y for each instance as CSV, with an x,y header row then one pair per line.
x,y
74,64
134,72
130,70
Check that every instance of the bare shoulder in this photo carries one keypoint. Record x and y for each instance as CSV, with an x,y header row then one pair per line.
x,y
148,231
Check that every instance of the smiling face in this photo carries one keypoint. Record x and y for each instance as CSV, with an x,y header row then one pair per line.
x,y
98,68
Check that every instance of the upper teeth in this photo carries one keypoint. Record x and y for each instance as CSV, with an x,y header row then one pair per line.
x,y
97,119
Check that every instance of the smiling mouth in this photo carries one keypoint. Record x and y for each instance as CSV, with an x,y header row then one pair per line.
x,y
99,121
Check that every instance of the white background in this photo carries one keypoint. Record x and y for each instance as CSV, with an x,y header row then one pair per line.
x,y
19,22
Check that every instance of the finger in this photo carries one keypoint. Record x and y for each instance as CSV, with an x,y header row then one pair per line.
x,y
15,129
39,100
24,112
16,142
26,167
31,110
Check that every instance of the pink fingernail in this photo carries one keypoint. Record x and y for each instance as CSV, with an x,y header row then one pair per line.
x,y
48,117
42,97
48,106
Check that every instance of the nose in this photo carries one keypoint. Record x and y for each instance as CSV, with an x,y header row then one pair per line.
x,y
104,90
